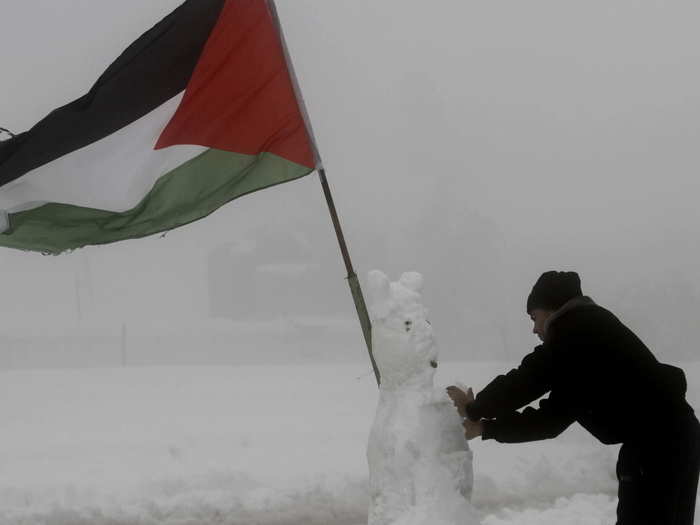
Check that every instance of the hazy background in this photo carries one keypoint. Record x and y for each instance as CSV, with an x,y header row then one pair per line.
x,y
480,143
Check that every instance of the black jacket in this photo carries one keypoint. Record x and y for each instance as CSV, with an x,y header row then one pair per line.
x,y
597,372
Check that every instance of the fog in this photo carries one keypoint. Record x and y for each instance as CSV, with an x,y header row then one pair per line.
x,y
480,143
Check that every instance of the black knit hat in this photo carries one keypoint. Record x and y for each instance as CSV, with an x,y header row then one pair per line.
x,y
553,289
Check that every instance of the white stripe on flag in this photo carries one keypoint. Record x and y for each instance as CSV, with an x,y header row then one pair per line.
x,y
112,174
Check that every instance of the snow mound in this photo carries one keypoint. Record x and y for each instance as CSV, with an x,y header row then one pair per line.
x,y
221,498
581,509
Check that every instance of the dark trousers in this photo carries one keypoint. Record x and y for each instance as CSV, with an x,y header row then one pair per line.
x,y
659,479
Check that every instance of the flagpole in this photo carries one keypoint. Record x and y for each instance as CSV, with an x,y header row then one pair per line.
x,y
353,282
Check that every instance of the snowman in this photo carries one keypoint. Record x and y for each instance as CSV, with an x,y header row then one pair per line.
x,y
420,464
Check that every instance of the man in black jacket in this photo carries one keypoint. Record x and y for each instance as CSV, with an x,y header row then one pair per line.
x,y
601,375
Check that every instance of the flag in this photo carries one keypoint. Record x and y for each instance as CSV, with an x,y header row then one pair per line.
x,y
198,111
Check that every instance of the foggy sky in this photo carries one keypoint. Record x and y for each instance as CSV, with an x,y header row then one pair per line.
x,y
480,143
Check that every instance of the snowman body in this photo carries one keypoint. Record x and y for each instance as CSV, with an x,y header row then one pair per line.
x,y
420,464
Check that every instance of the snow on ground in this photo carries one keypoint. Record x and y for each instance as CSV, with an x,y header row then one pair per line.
x,y
266,445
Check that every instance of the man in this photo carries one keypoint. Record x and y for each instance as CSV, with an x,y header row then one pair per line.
x,y
598,373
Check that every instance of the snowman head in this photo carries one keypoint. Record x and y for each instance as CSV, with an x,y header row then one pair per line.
x,y
402,338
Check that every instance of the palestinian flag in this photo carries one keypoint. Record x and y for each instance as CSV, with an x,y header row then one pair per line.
x,y
198,111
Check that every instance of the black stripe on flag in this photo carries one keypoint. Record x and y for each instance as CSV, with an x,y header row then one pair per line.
x,y
151,71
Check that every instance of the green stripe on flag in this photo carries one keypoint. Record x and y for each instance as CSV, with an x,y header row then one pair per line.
x,y
186,194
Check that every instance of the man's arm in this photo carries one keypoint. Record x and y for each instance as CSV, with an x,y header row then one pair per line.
x,y
519,387
546,422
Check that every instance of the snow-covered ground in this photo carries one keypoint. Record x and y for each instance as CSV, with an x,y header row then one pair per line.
x,y
266,445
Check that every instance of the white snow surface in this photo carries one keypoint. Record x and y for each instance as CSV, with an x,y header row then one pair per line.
x,y
265,445
420,464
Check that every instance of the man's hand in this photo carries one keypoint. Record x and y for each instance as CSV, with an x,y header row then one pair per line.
x,y
460,398
472,429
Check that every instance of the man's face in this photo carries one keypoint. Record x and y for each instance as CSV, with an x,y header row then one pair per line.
x,y
538,317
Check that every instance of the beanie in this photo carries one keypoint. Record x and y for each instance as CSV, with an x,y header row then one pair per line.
x,y
553,289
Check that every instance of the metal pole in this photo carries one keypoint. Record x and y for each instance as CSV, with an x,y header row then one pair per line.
x,y
353,282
